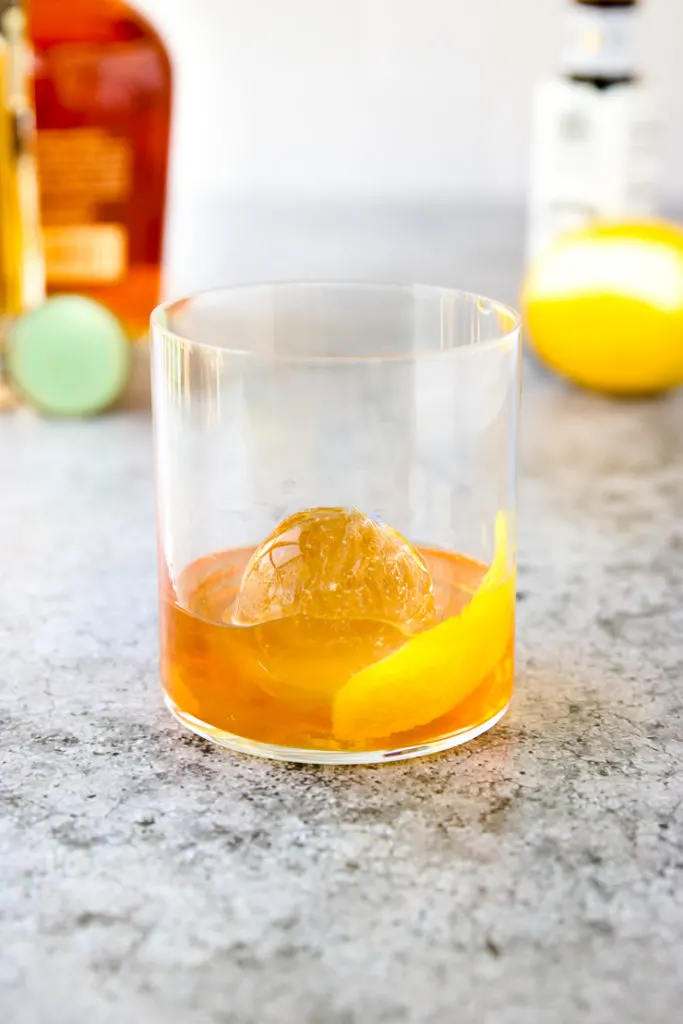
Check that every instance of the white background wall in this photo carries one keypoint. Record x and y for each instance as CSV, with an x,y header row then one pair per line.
x,y
354,99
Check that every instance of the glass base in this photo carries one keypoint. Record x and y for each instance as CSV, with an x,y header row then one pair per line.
x,y
301,755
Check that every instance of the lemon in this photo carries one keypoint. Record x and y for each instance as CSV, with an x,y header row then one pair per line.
x,y
439,668
604,307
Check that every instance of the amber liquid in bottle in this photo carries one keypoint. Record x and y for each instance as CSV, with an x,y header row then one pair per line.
x,y
103,103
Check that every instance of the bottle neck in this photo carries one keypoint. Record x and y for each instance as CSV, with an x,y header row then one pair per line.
x,y
600,42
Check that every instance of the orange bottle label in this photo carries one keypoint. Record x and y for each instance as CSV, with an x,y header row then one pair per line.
x,y
85,177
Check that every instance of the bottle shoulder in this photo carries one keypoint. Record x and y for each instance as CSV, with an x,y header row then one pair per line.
x,y
97,34
97,22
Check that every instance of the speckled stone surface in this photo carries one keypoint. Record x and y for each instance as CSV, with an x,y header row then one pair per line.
x,y
533,876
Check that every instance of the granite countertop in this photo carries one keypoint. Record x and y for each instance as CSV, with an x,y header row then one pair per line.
x,y
534,875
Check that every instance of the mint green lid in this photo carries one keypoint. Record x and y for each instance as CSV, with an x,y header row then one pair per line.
x,y
69,357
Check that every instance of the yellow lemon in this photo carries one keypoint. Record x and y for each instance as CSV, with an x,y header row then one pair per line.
x,y
437,669
604,307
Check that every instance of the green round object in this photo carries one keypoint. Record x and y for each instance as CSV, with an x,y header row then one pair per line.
x,y
69,357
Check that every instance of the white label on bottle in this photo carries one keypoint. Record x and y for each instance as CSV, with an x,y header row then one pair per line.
x,y
596,156
599,41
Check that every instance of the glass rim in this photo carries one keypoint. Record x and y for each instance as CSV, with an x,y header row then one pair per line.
x,y
158,322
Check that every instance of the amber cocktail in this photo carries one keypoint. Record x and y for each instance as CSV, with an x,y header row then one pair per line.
x,y
336,515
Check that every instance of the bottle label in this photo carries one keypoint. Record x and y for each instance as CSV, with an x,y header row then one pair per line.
x,y
85,253
596,156
86,176
599,41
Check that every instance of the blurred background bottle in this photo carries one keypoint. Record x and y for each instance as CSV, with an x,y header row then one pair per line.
x,y
103,106
597,129
22,277
21,264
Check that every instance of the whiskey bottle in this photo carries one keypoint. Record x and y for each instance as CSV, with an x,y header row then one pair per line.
x,y
596,138
103,102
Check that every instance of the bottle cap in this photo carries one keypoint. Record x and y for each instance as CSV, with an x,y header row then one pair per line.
x,y
69,357
600,40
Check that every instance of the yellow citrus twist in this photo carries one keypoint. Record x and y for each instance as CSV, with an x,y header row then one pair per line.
x,y
439,668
